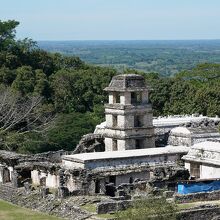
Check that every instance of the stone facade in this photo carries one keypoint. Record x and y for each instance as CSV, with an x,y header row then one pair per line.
x,y
39,169
128,114
163,126
203,160
98,170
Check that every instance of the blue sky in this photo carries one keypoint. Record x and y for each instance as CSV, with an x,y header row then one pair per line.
x,y
114,19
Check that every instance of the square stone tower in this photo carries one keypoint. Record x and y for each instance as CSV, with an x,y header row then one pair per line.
x,y
129,117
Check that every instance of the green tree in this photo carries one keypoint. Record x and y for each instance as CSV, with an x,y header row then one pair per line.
x,y
25,80
7,76
80,90
7,33
41,85
69,129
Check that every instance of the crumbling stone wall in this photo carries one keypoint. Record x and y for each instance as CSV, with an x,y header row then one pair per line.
x,y
202,213
195,197
90,143
194,132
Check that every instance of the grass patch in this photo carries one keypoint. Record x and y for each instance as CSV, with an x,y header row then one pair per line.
x,y
89,207
10,211
106,216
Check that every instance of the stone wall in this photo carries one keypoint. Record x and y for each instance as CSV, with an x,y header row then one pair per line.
x,y
195,197
67,208
205,213
112,206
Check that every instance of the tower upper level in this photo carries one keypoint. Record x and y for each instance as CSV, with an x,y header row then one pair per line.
x,y
127,82
127,89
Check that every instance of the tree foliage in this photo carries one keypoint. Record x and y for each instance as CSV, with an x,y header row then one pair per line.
x,y
7,33
80,90
20,115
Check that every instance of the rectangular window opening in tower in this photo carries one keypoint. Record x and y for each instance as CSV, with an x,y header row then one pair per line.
x,y
137,144
114,145
114,120
138,121
136,97
116,97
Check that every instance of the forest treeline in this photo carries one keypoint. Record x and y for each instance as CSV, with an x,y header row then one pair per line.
x,y
72,91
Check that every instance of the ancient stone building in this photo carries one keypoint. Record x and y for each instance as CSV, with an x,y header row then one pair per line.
x,y
121,151
163,126
194,132
122,167
128,114
203,160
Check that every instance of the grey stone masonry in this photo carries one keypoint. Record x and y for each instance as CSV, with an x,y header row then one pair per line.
x,y
129,118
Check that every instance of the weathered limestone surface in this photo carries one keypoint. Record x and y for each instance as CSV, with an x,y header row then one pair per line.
x,y
128,114
113,206
68,208
191,133
206,155
209,212
108,160
195,197
163,125
90,143
194,132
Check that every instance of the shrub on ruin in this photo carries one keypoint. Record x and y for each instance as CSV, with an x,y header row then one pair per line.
x,y
149,209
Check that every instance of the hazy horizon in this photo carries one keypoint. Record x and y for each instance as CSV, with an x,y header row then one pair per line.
x,y
217,39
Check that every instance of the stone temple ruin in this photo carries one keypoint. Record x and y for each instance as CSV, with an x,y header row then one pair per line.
x,y
128,150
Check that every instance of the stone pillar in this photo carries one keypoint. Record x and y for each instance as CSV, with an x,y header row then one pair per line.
x,y
27,187
1,174
14,179
61,178
145,98
111,98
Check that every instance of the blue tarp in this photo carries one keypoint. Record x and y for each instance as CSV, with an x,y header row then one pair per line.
x,y
194,187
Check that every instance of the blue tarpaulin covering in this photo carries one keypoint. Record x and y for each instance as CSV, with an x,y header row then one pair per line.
x,y
195,187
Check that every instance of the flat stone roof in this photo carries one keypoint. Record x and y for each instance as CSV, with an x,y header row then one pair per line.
x,y
213,146
127,82
196,132
207,152
179,119
84,157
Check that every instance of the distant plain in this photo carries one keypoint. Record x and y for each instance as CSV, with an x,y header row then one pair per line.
x,y
164,57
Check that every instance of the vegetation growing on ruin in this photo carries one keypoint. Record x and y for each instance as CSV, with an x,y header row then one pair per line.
x,y
73,91
149,209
